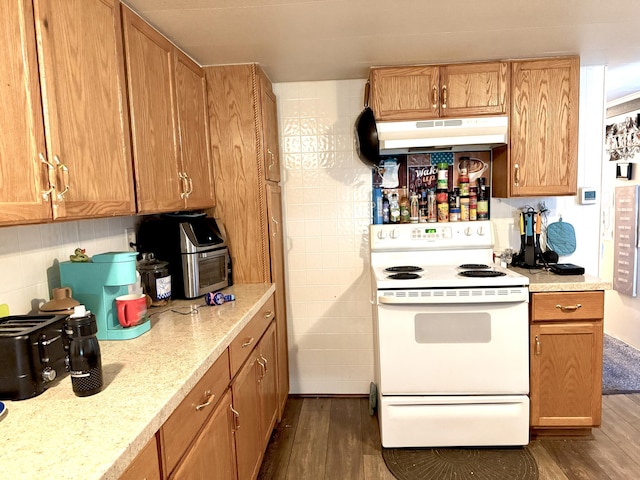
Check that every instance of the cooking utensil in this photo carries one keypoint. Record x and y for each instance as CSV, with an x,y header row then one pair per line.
x,y
367,142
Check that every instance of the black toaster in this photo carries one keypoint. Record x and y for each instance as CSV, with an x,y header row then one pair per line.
x,y
33,351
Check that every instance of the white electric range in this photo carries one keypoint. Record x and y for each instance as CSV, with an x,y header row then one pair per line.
x,y
452,337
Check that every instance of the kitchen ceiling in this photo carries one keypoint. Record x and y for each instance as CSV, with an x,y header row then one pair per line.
x,y
297,40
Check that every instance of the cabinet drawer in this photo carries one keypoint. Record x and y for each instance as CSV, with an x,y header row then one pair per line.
x,y
567,306
243,344
185,422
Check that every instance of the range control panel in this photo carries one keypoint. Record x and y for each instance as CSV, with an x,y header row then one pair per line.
x,y
431,236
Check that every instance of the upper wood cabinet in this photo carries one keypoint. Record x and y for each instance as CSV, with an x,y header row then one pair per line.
x,y
270,147
24,176
85,170
434,91
542,159
169,121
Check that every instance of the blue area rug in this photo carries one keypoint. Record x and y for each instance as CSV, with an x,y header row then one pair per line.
x,y
620,368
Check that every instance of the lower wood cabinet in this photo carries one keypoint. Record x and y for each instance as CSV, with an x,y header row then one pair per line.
x,y
213,452
566,333
146,466
255,404
223,426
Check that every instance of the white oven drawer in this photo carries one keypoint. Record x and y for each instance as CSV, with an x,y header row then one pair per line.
x,y
457,349
454,421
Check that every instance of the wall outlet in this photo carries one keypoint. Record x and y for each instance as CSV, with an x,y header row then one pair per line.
x,y
130,235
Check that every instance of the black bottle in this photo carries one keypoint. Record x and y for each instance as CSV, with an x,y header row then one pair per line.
x,y
85,363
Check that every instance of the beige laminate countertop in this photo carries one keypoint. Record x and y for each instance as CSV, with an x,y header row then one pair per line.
x,y
545,281
60,436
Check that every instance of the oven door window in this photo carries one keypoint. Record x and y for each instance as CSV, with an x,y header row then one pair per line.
x,y
212,270
468,327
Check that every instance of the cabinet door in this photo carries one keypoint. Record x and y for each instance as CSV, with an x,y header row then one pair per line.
x,y
149,58
212,454
248,434
566,374
544,128
271,149
405,93
276,250
474,89
85,113
193,121
266,358
146,465
23,175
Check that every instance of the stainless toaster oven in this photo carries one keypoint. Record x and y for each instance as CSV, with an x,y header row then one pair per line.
x,y
194,245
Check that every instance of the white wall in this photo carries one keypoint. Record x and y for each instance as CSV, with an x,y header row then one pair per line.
x,y
622,312
327,200
29,256
326,192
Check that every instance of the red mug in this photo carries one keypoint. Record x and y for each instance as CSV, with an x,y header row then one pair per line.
x,y
132,309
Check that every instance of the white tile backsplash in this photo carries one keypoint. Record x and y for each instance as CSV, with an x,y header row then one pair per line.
x,y
325,208
30,255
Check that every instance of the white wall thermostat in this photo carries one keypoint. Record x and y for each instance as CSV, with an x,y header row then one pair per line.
x,y
588,196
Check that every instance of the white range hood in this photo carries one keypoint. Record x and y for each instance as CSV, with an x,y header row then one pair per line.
x,y
443,133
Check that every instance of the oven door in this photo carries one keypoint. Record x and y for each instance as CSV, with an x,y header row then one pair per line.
x,y
453,349
205,271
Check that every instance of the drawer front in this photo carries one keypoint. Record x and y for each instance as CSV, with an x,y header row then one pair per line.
x,y
184,423
562,306
243,344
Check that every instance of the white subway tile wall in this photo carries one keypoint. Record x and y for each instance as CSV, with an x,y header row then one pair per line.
x,y
30,254
327,209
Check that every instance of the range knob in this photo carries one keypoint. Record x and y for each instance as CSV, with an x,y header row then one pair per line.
x,y
481,231
394,233
48,374
382,234
468,231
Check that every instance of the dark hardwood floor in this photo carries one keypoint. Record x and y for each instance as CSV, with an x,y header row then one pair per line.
x,y
336,438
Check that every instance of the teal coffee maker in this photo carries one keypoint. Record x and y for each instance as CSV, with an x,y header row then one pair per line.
x,y
97,283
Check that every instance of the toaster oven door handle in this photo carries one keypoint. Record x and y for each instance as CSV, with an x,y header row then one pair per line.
x,y
43,347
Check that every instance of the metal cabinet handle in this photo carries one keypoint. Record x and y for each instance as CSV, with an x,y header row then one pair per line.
x,y
263,369
190,183
444,96
268,314
65,176
248,342
569,308
434,97
266,364
537,351
183,180
236,418
50,176
272,159
516,176
210,396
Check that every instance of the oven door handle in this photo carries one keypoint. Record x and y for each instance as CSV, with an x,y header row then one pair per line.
x,y
449,301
